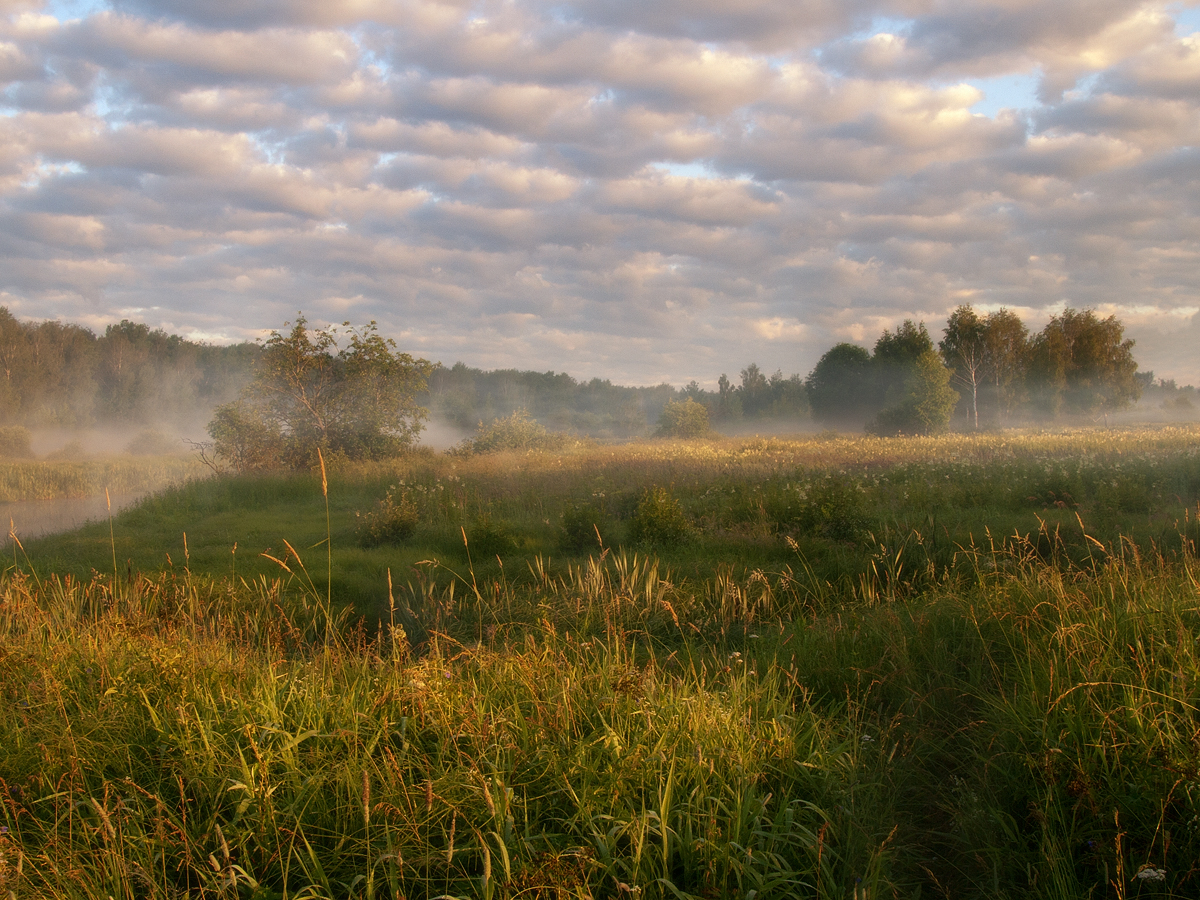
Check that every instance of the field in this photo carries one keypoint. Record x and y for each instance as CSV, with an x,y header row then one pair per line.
x,y
832,667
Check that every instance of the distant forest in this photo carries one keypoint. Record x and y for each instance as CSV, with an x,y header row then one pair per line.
x,y
63,375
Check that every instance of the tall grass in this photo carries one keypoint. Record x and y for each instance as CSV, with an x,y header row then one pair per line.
x,y
43,480
608,731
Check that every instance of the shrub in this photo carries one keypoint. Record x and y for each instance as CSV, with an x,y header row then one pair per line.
x,y
831,508
392,520
659,520
15,440
683,419
519,431
490,538
580,526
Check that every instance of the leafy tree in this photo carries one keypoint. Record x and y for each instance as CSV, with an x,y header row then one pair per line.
x,y
928,401
895,358
1080,363
683,419
729,403
841,387
310,391
1006,358
964,349
754,392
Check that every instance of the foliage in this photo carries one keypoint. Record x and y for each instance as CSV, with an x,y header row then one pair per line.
x,y
466,396
490,537
964,349
683,419
518,431
829,507
932,712
659,521
243,439
1006,357
1081,364
841,386
310,391
927,404
391,521
585,527
151,442
64,375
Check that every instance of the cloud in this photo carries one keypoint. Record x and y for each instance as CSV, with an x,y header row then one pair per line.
x,y
643,192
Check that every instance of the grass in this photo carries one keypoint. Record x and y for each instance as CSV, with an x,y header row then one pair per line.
x,y
52,480
847,694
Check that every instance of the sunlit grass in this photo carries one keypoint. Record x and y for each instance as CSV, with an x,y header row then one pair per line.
x,y
58,479
858,679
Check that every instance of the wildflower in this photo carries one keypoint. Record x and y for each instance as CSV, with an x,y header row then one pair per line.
x,y
1149,873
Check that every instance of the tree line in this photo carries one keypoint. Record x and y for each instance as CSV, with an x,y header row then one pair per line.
x,y
989,368
350,391
55,374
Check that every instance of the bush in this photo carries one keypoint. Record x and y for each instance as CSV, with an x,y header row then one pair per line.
x,y
519,431
393,520
832,508
580,527
683,419
15,441
659,520
488,538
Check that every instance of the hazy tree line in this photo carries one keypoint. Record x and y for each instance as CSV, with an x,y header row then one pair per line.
x,y
55,374
989,369
981,371
467,397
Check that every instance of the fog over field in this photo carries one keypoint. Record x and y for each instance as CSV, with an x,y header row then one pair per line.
x,y
638,192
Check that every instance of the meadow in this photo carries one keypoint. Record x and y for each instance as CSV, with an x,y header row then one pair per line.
x,y
833,667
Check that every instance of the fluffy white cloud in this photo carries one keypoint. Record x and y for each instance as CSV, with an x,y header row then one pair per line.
x,y
643,192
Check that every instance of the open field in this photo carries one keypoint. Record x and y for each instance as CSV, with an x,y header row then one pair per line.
x,y
962,667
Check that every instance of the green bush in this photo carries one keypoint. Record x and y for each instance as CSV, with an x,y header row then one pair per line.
x,y
683,419
15,441
487,538
584,527
393,520
659,521
520,431
832,508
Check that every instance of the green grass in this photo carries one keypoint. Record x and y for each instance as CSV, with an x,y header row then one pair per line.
x,y
856,677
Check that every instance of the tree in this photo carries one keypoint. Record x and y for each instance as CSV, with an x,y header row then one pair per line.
x,y
344,392
895,358
841,387
1006,358
683,419
1081,364
965,351
927,404
753,391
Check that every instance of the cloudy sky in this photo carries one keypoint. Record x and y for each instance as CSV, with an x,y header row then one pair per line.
x,y
643,191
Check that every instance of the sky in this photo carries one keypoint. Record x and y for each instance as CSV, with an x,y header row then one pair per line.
x,y
645,192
